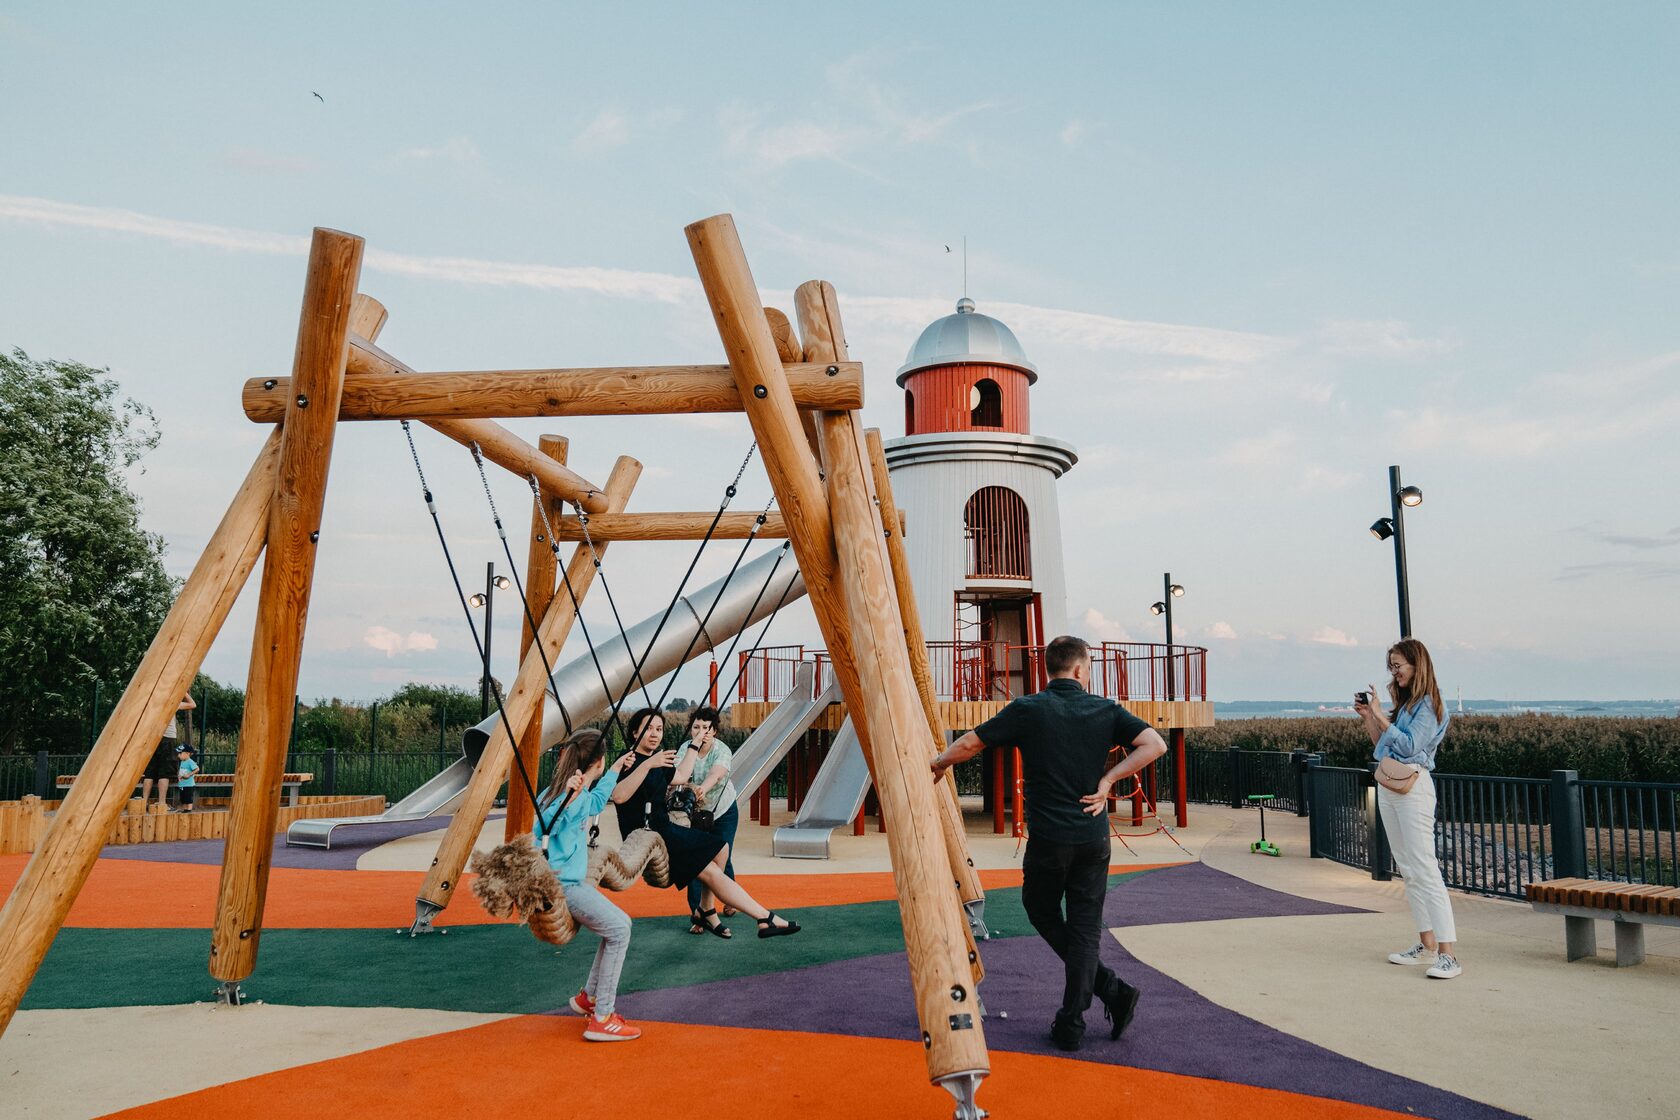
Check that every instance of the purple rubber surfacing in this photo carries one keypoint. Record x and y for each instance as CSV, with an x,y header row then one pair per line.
x,y
349,844
1176,1030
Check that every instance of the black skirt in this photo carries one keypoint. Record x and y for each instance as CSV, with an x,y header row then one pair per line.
x,y
691,849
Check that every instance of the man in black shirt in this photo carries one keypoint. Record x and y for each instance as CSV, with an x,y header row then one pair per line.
x,y
1065,735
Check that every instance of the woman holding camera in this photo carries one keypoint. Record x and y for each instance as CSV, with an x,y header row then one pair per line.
x,y
1404,741
703,764
696,855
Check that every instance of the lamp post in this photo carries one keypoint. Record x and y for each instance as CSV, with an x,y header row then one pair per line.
x,y
1394,525
487,600
1175,735
1169,592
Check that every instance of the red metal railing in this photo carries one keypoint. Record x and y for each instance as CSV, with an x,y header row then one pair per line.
x,y
1121,671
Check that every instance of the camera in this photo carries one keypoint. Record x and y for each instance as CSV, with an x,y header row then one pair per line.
x,y
1362,697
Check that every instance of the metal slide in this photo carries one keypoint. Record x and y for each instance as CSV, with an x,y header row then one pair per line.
x,y
436,798
578,686
833,801
771,740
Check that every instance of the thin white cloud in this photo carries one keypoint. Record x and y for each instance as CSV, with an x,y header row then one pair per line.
x,y
1378,338
1330,636
269,163
1082,329
391,643
457,149
1073,134
1098,626
1223,631
608,129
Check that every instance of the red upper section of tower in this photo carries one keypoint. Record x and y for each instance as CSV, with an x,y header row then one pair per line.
x,y
966,373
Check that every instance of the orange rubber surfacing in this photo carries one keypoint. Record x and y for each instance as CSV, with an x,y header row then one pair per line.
x,y
543,1061
143,894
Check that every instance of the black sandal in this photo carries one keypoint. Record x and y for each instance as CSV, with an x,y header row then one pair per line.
x,y
767,927
701,925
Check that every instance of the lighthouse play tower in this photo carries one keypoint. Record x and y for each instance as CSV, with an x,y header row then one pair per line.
x,y
979,490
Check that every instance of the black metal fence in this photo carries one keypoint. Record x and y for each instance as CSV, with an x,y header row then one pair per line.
x,y
1493,835
391,774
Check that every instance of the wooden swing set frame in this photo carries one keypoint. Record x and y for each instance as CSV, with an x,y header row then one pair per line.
x,y
801,395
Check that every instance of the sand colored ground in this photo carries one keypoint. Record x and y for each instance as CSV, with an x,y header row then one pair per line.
x,y
754,854
68,1065
1521,1028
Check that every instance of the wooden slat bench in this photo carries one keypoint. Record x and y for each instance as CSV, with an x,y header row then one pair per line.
x,y
1631,906
290,783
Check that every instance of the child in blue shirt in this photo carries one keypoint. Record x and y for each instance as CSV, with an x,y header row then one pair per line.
x,y
185,783
562,828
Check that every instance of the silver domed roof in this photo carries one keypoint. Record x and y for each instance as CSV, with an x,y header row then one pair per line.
x,y
966,336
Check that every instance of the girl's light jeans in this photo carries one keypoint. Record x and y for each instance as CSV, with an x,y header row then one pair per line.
x,y
593,911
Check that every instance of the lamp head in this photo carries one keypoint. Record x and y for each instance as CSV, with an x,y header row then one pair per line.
x,y
476,598
1382,528
1177,590
503,583
1411,496
1157,607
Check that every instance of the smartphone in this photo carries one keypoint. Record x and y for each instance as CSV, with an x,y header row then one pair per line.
x,y
1362,697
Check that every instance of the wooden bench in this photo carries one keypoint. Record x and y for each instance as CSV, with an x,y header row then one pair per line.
x,y
1631,906
290,783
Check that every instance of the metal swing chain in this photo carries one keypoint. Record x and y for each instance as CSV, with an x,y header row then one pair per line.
x,y
728,496
735,642
741,668
460,594
733,568
524,600
571,593
612,603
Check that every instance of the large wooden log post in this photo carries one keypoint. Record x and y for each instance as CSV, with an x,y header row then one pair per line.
x,y
934,931
518,705
66,855
818,308
541,567
294,523
950,808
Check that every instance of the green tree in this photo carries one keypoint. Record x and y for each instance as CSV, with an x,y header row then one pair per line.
x,y
82,585
460,706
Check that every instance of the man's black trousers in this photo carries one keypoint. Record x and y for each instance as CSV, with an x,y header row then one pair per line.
x,y
1078,873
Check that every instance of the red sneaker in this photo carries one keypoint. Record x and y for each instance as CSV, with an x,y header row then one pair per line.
x,y
582,1004
613,1029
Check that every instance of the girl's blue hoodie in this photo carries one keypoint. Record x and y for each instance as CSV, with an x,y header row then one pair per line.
x,y
568,841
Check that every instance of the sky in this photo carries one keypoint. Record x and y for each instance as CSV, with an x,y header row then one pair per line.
x,y
1258,253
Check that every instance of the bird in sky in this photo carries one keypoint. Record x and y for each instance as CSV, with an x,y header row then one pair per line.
x,y
947,248
323,101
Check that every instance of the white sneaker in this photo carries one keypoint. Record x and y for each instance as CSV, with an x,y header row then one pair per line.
x,y
1446,967
1417,954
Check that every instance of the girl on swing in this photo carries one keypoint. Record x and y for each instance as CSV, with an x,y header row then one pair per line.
x,y
562,822
696,855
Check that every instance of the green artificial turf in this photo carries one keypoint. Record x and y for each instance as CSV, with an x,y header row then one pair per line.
x,y
493,968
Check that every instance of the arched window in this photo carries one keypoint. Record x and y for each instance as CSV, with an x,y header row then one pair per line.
x,y
985,402
909,413
999,545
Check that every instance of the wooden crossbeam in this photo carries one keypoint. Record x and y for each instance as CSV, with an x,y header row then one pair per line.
x,y
670,527
378,387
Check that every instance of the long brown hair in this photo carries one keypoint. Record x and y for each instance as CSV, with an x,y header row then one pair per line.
x,y
1424,684
581,750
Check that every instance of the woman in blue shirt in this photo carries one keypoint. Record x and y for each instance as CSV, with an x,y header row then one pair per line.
x,y
562,828
1410,733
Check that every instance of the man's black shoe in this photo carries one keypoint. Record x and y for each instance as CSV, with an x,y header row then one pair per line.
x,y
1069,1034
1119,1005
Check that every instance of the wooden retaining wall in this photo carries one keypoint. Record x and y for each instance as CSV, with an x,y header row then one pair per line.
x,y
23,823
